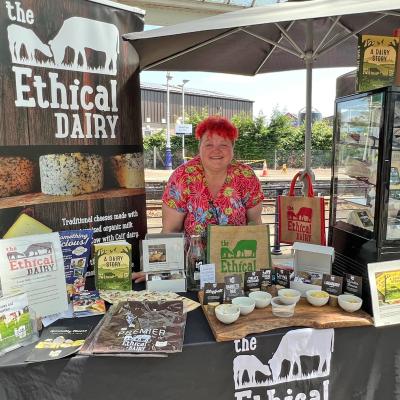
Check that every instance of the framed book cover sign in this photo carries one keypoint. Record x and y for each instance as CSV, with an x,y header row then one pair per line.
x,y
384,279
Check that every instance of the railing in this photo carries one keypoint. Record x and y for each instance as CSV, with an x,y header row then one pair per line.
x,y
272,190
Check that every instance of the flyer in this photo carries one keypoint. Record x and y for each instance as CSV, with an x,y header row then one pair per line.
x,y
34,264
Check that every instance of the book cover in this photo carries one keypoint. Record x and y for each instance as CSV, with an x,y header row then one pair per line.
x,y
35,265
15,322
112,263
140,327
58,342
376,61
76,246
88,303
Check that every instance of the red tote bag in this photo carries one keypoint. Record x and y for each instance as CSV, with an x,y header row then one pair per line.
x,y
301,218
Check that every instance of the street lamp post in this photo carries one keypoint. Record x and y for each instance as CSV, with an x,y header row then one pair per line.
x,y
184,82
168,154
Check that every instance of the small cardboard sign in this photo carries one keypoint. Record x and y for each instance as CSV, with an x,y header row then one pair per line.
x,y
252,280
332,284
282,277
213,292
233,286
353,284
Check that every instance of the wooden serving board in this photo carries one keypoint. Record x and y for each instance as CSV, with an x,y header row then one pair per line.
x,y
262,320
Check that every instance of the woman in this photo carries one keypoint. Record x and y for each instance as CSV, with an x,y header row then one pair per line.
x,y
212,188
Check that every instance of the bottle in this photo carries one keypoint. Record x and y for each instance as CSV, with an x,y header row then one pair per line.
x,y
194,258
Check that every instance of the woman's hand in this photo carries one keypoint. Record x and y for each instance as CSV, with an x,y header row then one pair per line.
x,y
138,276
254,215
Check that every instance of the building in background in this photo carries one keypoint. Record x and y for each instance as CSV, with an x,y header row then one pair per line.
x,y
154,109
315,116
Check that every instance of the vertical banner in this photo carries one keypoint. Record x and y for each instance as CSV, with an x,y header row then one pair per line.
x,y
71,152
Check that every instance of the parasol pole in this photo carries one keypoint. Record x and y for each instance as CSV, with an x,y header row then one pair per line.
x,y
309,67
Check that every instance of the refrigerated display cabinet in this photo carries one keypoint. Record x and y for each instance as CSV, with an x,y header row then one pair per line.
x,y
364,225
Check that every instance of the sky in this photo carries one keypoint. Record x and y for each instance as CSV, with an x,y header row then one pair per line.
x,y
285,91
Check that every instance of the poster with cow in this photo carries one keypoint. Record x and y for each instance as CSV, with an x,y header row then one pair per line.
x,y
71,152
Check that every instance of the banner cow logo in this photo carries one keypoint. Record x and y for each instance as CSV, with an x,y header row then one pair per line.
x,y
288,363
77,33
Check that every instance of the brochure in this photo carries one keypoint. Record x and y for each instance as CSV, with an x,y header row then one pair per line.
x,y
76,247
58,342
34,264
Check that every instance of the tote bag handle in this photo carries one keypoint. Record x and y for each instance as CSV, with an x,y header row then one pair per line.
x,y
310,186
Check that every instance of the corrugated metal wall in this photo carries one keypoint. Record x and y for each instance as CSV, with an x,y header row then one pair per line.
x,y
154,106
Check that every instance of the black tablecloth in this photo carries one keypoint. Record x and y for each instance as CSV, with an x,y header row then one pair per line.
x,y
364,364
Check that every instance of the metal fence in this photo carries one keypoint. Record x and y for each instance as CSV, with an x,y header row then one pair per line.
x,y
275,159
271,191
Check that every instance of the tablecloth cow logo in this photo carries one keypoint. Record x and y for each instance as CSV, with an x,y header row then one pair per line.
x,y
86,38
288,362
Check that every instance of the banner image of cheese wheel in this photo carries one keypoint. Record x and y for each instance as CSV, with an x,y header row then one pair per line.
x,y
17,176
128,170
71,173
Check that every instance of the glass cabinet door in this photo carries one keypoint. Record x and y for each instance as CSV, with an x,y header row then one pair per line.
x,y
393,207
359,123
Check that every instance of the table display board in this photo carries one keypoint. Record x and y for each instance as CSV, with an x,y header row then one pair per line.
x,y
71,152
262,320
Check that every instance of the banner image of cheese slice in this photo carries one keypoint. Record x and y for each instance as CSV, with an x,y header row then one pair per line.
x,y
128,170
71,173
16,176
26,225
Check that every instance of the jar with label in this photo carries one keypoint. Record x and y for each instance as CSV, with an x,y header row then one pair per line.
x,y
195,257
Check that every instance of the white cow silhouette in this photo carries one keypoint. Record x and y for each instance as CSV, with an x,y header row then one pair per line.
x,y
19,36
303,342
248,363
81,33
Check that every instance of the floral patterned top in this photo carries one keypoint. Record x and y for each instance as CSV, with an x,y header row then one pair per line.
x,y
187,192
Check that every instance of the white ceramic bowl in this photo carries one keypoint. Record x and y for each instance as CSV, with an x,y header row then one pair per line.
x,y
262,299
281,309
317,298
227,313
289,296
246,304
349,302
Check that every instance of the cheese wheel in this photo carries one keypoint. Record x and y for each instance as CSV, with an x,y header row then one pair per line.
x,y
16,176
71,173
128,170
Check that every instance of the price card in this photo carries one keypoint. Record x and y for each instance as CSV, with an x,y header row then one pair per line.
x,y
353,284
332,284
233,286
213,293
282,277
252,280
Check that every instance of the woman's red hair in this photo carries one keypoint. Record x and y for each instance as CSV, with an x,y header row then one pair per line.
x,y
217,126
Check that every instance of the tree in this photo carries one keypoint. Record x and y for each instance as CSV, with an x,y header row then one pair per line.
x,y
252,140
157,139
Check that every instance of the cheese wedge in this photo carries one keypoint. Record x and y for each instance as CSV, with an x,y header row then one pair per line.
x,y
26,225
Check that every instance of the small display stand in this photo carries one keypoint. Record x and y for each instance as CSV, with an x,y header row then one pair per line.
x,y
163,258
